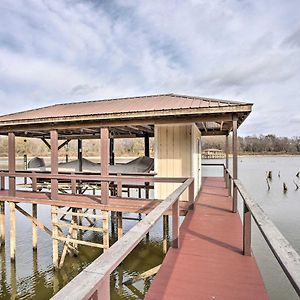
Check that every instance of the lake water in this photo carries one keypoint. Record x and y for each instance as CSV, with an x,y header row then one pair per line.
x,y
32,276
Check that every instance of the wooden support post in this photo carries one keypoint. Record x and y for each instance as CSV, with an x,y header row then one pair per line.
x,y
34,227
191,195
147,145
246,231
104,163
226,159
2,224
2,183
79,155
12,163
235,161
175,224
120,224
75,230
105,224
165,233
73,184
111,151
54,218
34,182
54,163
229,185
119,186
12,231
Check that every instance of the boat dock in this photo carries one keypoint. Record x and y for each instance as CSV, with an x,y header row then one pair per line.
x,y
209,264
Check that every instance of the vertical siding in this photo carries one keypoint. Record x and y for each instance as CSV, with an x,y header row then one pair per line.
x,y
174,156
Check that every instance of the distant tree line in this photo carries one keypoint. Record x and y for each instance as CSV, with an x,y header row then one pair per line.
x,y
261,144
36,147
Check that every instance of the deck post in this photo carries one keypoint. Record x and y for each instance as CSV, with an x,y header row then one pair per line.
x,y
246,231
235,161
2,224
226,160
175,224
165,233
54,219
104,163
54,163
105,224
12,231
191,195
34,227
12,163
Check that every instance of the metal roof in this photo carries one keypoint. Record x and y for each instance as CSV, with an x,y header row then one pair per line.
x,y
83,118
120,105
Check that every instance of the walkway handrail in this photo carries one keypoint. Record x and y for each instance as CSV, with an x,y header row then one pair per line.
x,y
285,254
93,281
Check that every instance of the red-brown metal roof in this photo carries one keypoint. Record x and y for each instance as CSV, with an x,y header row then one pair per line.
x,y
121,105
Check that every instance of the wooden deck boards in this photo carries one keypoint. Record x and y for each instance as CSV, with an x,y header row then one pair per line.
x,y
133,205
209,263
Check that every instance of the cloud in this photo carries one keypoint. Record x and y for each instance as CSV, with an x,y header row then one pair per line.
x,y
61,51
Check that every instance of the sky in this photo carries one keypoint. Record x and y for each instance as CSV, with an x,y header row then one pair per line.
x,y
59,51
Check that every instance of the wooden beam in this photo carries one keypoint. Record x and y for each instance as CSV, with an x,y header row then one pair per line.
x,y
142,276
63,144
33,220
46,143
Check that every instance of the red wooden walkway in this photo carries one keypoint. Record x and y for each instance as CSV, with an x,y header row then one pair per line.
x,y
209,263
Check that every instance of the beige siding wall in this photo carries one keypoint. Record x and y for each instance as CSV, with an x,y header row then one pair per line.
x,y
174,155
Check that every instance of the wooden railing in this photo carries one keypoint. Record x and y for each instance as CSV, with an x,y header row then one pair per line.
x,y
75,178
285,254
94,281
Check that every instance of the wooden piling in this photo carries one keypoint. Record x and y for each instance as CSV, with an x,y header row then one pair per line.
x,y
105,225
54,218
34,227
175,225
2,224
120,224
165,233
12,231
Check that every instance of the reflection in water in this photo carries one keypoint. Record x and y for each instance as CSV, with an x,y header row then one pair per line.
x,y
42,281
